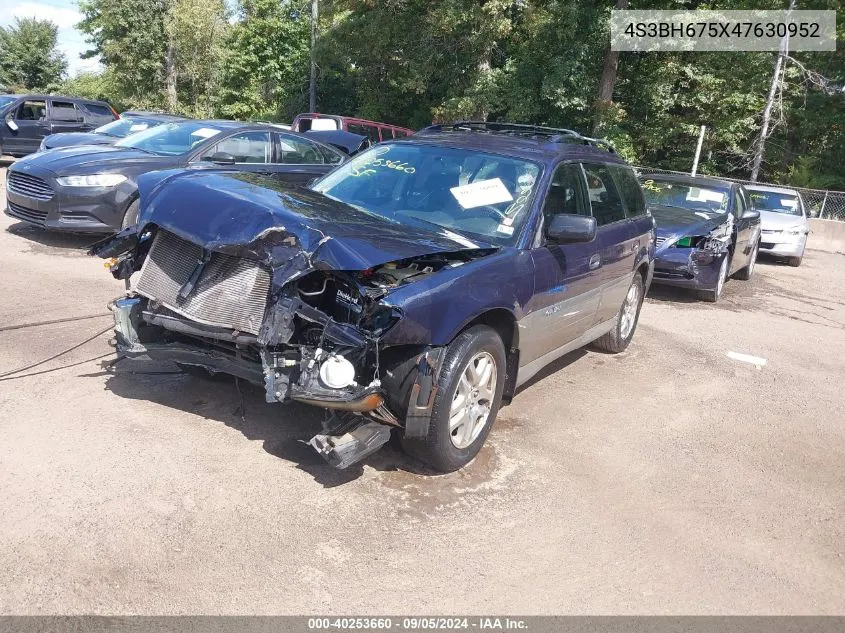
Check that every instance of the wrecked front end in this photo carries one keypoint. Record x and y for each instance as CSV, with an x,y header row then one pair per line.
x,y
691,261
274,312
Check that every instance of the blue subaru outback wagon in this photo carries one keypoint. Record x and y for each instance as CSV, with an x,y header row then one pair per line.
x,y
412,290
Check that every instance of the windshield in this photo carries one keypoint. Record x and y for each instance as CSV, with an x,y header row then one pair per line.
x,y
125,127
4,101
170,139
685,196
775,202
464,191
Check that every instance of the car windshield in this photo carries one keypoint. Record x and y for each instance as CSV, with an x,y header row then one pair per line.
x,y
776,202
124,127
4,101
684,195
171,139
465,192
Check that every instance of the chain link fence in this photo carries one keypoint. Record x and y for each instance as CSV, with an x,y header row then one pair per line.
x,y
820,203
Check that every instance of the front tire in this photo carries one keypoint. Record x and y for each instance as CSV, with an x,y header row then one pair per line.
x,y
745,273
712,296
618,339
130,218
469,393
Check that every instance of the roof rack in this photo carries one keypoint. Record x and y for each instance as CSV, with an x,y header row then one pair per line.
x,y
552,134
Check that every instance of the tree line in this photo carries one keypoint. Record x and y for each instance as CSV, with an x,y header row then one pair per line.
x,y
411,62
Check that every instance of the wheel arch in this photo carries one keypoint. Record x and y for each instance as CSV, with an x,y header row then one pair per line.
x,y
504,323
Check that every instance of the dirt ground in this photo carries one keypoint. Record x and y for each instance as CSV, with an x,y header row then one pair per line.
x,y
668,479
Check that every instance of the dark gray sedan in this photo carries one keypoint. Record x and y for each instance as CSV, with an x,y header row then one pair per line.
x,y
93,189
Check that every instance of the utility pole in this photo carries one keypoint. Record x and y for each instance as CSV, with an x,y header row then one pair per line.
x,y
312,88
770,101
698,151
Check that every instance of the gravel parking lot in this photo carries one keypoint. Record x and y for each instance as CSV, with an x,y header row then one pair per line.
x,y
668,479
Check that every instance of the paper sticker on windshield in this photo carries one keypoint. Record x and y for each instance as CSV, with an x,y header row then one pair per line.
x,y
504,228
789,203
205,132
137,127
481,193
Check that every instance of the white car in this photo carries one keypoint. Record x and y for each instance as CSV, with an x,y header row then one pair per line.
x,y
784,219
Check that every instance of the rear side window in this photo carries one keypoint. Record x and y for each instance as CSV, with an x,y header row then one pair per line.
x,y
632,193
64,111
297,151
247,147
98,109
605,197
364,130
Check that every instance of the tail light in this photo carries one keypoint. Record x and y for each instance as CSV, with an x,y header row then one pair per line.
x,y
114,113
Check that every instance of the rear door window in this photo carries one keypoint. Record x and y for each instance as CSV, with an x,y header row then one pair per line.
x,y
605,198
632,193
297,151
370,131
246,147
64,111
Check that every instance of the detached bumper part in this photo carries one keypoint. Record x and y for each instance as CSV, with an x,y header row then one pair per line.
x,y
341,451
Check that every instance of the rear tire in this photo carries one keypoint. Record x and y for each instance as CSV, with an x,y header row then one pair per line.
x,y
618,339
130,218
469,393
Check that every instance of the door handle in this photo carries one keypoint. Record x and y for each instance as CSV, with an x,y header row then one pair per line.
x,y
595,261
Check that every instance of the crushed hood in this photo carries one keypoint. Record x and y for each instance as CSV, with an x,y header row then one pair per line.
x,y
260,218
673,223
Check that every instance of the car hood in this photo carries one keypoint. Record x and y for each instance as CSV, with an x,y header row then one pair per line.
x,y
672,223
67,139
772,221
81,159
260,218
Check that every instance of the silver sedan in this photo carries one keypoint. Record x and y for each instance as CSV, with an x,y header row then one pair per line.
x,y
784,219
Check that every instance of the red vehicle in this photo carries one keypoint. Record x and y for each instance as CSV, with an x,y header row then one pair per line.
x,y
376,131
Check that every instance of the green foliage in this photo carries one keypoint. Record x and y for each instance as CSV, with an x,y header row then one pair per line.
x,y
197,31
411,62
129,36
99,86
265,67
29,59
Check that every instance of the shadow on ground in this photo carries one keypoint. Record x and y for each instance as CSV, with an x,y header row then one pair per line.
x,y
77,242
282,429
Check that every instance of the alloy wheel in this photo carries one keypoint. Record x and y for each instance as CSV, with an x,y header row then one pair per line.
x,y
629,311
723,274
473,400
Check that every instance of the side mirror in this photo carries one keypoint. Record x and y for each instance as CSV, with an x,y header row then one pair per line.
x,y
751,214
221,158
568,229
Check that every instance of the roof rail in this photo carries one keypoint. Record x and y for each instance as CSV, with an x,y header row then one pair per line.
x,y
552,134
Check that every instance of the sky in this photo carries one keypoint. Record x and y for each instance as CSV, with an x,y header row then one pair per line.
x,y
65,14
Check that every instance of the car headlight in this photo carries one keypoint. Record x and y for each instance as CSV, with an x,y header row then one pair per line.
x,y
93,180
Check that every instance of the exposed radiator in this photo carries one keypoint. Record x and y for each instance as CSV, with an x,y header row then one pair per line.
x,y
231,292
